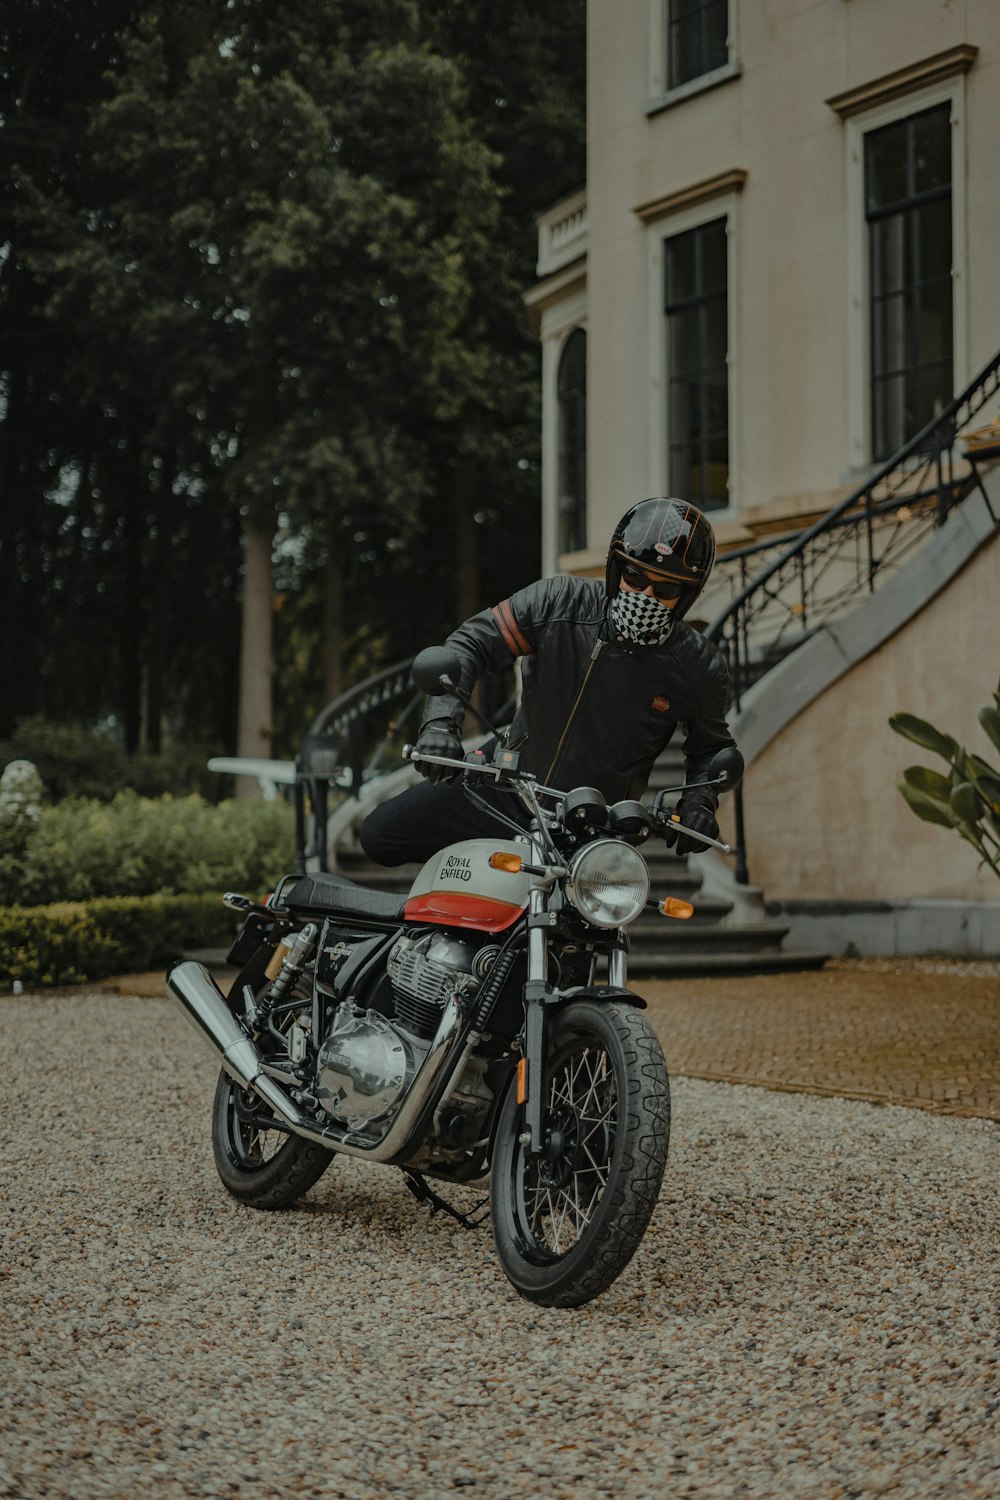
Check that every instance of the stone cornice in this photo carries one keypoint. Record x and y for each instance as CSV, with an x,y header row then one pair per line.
x,y
904,81
699,192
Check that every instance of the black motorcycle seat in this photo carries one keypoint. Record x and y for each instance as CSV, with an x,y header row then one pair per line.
x,y
334,893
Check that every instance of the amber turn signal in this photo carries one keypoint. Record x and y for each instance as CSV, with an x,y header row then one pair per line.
x,y
512,863
670,906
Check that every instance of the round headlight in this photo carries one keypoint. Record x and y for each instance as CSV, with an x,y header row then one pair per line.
x,y
608,883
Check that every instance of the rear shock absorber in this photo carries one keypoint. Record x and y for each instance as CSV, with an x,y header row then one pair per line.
x,y
285,966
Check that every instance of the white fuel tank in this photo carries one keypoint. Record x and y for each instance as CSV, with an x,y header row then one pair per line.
x,y
460,888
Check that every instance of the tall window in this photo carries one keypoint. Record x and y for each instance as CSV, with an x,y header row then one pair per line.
x,y
571,397
696,308
697,39
909,215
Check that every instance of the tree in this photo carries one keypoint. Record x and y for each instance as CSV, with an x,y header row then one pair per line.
x,y
275,279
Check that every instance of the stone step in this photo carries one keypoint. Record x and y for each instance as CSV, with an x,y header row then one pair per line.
x,y
667,935
692,965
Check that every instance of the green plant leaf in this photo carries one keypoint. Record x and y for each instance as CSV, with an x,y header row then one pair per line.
x,y
930,809
922,733
985,780
966,803
929,783
989,718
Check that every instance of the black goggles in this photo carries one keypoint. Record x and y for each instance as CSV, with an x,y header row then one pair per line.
x,y
663,588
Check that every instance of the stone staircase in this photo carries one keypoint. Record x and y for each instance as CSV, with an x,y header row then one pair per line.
x,y
730,933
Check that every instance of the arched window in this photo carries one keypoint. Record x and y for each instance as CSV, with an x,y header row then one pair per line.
x,y
571,396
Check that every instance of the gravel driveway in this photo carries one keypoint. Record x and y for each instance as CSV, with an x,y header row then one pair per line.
x,y
813,1311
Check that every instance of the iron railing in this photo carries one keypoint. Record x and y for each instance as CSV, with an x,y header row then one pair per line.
x,y
785,588
355,738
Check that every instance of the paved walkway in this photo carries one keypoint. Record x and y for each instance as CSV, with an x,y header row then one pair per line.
x,y
918,1032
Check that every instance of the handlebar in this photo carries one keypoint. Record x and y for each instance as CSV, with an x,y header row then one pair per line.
x,y
660,823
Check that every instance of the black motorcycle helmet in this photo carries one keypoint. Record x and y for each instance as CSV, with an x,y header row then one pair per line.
x,y
668,539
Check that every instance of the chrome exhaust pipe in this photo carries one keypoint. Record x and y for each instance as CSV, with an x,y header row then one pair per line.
x,y
201,1000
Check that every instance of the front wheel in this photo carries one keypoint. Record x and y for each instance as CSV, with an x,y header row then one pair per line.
x,y
568,1219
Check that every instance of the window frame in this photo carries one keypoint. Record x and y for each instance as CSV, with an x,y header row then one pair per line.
x,y
859,310
724,206
661,95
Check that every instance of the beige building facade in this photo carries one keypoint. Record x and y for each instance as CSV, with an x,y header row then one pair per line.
x,y
769,151
785,261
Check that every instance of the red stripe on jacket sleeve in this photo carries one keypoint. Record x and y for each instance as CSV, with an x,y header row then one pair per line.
x,y
514,637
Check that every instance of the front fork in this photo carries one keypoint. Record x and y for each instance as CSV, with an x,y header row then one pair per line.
x,y
538,997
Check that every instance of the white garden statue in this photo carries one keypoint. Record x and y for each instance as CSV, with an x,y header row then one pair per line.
x,y
21,791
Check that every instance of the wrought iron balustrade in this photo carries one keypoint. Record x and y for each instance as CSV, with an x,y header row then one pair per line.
x,y
784,588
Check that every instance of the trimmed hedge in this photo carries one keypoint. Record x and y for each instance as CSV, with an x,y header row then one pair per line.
x,y
74,941
136,846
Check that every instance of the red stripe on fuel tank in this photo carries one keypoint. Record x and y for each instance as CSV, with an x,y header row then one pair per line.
x,y
457,909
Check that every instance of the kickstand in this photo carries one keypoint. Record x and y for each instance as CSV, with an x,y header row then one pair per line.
x,y
417,1185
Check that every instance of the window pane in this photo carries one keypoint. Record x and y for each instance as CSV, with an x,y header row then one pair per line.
x,y
697,40
681,271
714,32
684,346
891,334
698,375
712,238
933,228
716,344
889,418
909,213
934,320
935,393
885,165
932,149
889,255
571,387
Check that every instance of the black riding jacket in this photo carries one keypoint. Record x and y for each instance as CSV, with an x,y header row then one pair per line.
x,y
595,710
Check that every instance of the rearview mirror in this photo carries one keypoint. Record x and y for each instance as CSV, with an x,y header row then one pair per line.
x,y
436,670
725,770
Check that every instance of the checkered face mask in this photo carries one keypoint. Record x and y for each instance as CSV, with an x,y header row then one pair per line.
x,y
639,618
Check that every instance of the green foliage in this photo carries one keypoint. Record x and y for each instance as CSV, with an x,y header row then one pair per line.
x,y
968,798
77,762
266,257
71,942
135,846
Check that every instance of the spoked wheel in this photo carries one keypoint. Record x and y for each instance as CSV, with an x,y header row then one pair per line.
x,y
263,1167
260,1166
568,1219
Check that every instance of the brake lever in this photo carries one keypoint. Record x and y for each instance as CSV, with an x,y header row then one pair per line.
x,y
665,825
412,754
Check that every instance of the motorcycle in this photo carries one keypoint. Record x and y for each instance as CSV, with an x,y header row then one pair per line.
x,y
459,1032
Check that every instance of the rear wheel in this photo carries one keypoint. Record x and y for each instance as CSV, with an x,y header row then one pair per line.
x,y
262,1167
568,1219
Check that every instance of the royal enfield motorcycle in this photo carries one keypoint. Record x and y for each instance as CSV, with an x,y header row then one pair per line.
x,y
460,1032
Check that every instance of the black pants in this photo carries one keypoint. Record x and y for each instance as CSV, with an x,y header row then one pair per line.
x,y
432,815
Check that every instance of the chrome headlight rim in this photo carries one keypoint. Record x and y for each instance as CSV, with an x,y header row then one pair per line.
x,y
625,869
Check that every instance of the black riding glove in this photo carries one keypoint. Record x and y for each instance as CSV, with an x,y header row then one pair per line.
x,y
438,738
695,814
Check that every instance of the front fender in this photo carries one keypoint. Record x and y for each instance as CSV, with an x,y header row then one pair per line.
x,y
601,993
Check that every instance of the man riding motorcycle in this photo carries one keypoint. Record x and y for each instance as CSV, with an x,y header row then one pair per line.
x,y
609,669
